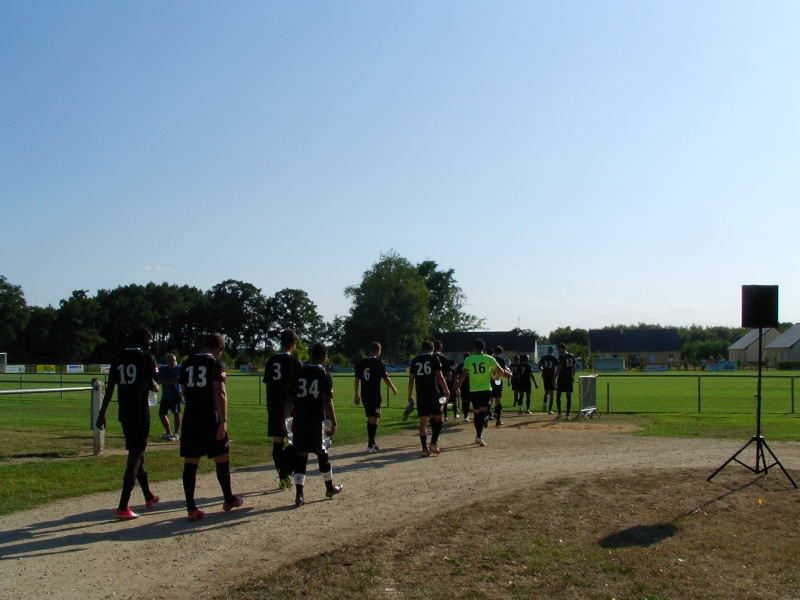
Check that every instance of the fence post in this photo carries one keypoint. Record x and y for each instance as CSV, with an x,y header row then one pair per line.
x,y
99,434
792,394
699,396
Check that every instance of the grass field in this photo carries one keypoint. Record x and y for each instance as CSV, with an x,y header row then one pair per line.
x,y
40,434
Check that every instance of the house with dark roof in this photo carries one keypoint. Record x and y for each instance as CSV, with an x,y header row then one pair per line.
x,y
744,351
456,344
785,347
636,346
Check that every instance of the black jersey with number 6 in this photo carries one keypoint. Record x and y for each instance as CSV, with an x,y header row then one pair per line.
x,y
371,372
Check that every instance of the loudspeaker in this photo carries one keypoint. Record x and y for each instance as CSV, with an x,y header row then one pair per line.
x,y
759,306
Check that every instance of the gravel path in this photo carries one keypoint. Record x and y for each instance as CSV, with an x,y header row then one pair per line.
x,y
75,550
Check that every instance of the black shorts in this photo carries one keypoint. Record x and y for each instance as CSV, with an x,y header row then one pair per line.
x,y
515,384
170,406
372,406
275,418
307,438
480,399
429,406
135,435
525,386
497,389
564,385
549,383
199,438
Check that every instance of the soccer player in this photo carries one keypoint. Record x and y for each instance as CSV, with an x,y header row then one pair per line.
x,y
525,376
278,373
369,373
565,374
168,375
451,384
309,403
463,389
205,422
447,372
425,374
497,387
134,373
480,368
547,365
514,368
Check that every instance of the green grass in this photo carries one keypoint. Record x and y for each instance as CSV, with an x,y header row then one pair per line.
x,y
40,432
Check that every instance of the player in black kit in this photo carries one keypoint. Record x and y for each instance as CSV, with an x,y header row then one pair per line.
x,y
134,373
278,373
310,402
565,375
425,374
370,372
205,422
524,377
547,365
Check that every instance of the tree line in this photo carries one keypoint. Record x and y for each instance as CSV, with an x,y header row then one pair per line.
x,y
397,303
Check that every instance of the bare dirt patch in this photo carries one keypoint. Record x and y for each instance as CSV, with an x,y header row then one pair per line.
x,y
73,549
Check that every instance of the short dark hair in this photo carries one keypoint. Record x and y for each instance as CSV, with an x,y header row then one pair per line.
x,y
437,345
498,350
142,336
564,346
427,346
213,340
479,345
318,352
288,337
375,347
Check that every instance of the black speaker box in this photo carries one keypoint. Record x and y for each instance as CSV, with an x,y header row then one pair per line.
x,y
759,306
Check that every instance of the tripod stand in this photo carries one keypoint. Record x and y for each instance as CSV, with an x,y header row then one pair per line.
x,y
757,439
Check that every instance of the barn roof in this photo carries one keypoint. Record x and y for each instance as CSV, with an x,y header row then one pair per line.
x,y
747,340
634,340
788,339
464,341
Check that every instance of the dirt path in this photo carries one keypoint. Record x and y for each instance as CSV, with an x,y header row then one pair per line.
x,y
74,549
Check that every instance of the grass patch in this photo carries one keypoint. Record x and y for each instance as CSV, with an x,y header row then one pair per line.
x,y
659,535
46,440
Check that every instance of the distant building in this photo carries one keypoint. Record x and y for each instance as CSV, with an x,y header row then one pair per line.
x,y
457,343
785,347
744,351
636,346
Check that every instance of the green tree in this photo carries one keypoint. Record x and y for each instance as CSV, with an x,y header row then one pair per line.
x,y
13,313
293,309
39,342
446,301
390,306
80,319
236,310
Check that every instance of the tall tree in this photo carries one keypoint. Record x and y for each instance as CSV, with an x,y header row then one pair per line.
x,y
79,322
13,313
293,309
236,309
446,301
40,342
390,306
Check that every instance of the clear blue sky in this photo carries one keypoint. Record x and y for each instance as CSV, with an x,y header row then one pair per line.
x,y
581,163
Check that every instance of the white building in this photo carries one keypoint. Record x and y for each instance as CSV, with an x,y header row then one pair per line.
x,y
784,348
744,351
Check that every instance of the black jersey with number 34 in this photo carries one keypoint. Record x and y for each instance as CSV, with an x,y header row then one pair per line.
x,y
311,385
